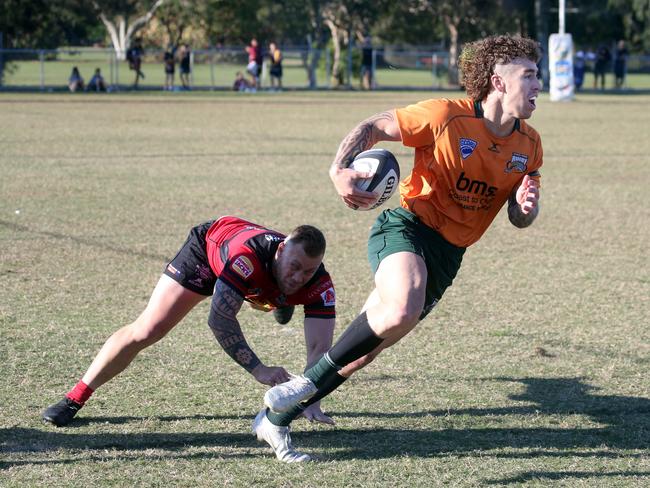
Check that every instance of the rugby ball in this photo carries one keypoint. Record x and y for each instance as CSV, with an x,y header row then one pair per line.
x,y
385,178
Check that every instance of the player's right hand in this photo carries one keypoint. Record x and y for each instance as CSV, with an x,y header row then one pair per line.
x,y
270,375
344,181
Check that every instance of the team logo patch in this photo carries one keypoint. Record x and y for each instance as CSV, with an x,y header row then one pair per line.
x,y
273,237
518,163
467,147
328,296
243,266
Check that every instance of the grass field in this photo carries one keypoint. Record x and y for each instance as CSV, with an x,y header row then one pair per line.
x,y
532,371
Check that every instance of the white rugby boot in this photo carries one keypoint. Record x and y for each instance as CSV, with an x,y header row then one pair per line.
x,y
283,397
278,438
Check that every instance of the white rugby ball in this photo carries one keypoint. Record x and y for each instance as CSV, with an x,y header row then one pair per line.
x,y
385,169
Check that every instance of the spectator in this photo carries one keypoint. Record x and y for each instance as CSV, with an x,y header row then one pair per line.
x,y
579,66
620,64
276,67
134,57
240,83
366,64
185,66
169,62
254,66
76,81
97,82
603,57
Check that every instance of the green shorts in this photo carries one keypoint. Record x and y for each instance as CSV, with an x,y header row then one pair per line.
x,y
399,230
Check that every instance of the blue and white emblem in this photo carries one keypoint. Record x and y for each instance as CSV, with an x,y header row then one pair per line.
x,y
467,147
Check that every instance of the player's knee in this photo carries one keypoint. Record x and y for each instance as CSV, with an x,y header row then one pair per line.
x,y
401,317
143,334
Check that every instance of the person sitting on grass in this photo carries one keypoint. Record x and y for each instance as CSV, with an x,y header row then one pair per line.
x,y
76,81
96,83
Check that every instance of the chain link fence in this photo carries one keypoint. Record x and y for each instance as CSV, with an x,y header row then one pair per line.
x,y
216,69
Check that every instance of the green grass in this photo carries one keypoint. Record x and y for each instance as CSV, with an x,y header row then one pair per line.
x,y
532,371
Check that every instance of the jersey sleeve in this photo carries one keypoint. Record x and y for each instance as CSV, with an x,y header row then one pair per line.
x,y
415,124
534,172
240,271
321,299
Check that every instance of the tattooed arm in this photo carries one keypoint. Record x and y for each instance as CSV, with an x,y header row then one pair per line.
x,y
380,127
523,204
223,322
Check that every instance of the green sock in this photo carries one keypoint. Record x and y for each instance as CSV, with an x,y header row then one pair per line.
x,y
323,371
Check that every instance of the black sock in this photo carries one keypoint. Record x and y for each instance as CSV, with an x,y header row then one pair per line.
x,y
357,341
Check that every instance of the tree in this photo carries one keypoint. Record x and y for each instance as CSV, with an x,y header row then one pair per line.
x,y
636,21
173,20
123,19
348,20
44,24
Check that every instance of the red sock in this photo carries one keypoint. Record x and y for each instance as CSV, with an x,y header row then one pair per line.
x,y
80,393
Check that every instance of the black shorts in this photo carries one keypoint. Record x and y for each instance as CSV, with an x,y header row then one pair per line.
x,y
190,267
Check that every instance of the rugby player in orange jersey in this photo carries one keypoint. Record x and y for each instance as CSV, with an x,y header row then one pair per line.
x,y
471,156
234,261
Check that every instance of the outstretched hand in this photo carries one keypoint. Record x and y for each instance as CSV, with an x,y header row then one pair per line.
x,y
270,375
528,195
313,413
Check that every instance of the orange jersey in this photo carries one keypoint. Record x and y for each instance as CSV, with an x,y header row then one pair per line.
x,y
462,174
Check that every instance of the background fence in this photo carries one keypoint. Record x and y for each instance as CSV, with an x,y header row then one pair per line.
x,y
215,69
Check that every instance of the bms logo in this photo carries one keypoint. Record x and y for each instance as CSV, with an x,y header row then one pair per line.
x,y
518,163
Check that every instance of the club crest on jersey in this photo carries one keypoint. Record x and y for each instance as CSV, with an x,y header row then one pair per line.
x,y
467,147
328,296
243,266
518,163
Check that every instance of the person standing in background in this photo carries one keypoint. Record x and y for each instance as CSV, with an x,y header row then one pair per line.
x,y
620,64
276,67
185,66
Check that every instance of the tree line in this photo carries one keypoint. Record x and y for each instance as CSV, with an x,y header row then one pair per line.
x,y
336,24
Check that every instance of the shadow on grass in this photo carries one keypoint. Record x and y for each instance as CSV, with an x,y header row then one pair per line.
x,y
564,475
82,421
625,425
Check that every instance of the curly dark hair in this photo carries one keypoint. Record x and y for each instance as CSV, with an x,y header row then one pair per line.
x,y
478,59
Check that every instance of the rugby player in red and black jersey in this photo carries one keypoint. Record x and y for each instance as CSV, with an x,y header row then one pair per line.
x,y
233,261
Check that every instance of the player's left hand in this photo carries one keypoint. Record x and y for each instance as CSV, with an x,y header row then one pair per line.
x,y
313,413
528,195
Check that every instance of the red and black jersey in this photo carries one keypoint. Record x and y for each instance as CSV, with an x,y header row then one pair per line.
x,y
240,254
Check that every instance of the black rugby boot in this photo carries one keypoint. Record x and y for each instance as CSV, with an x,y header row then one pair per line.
x,y
283,315
61,413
